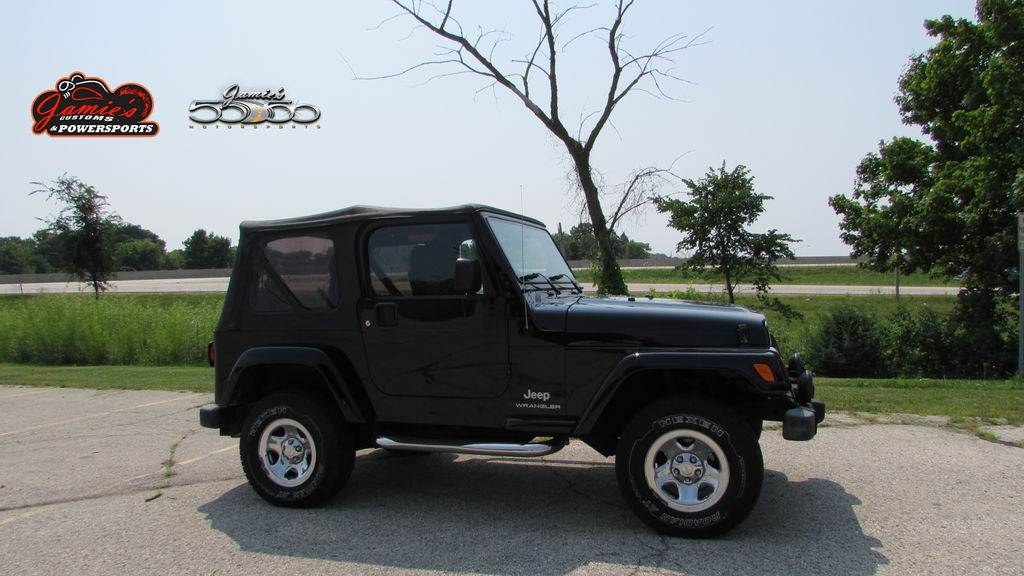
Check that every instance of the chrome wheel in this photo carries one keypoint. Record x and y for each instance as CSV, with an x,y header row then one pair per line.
x,y
687,470
287,452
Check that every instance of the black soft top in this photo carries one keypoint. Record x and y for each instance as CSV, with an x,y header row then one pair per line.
x,y
359,213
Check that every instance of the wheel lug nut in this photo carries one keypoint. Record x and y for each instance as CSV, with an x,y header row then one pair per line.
x,y
693,459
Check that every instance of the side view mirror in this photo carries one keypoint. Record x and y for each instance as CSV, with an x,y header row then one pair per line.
x,y
467,276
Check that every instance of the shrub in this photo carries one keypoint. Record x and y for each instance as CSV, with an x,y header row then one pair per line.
x,y
973,341
848,342
983,334
918,343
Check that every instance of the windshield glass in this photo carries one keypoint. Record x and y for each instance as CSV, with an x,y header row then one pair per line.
x,y
531,251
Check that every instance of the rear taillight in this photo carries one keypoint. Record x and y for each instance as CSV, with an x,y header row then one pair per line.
x,y
211,353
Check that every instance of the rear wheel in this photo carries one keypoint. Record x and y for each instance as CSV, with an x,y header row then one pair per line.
x,y
689,467
293,452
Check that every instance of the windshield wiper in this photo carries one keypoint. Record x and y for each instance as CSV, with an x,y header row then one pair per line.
x,y
534,275
571,281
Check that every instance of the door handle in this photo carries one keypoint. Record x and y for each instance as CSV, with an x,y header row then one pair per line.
x,y
387,313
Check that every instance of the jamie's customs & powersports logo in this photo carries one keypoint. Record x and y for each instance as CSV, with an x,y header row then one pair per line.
x,y
85,106
253,109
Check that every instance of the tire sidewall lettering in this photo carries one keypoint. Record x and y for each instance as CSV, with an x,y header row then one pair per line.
x,y
256,430
650,502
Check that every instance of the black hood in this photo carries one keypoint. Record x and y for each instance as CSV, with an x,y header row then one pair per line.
x,y
653,322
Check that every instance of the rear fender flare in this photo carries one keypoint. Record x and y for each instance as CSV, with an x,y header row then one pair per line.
x,y
313,358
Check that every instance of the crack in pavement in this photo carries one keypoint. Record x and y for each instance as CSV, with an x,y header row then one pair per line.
x,y
167,473
112,493
168,464
570,486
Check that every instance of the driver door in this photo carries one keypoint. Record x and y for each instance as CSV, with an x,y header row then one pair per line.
x,y
421,337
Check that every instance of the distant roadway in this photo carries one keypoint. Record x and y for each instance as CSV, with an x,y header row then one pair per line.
x,y
220,284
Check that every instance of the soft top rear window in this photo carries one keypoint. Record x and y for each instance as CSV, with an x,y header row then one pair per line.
x,y
306,265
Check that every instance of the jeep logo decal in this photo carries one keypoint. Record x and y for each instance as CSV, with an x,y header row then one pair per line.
x,y
542,396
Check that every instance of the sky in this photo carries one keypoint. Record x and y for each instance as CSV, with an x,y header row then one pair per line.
x,y
798,91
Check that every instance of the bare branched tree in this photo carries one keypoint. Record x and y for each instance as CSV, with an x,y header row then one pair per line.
x,y
646,71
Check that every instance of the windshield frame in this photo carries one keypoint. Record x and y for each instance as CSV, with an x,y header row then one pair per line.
x,y
541,281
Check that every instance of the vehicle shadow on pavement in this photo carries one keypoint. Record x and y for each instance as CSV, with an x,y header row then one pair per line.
x,y
514,516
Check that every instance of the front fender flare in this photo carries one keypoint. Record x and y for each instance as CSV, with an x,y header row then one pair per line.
x,y
728,362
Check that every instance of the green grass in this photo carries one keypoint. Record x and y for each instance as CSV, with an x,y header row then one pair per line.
x,y
173,329
957,399
173,378
822,275
152,329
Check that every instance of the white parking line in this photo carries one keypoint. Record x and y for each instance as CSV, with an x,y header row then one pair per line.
x,y
198,458
33,393
98,414
21,516
186,462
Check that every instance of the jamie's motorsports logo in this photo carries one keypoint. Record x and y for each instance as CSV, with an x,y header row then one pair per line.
x,y
85,106
252,109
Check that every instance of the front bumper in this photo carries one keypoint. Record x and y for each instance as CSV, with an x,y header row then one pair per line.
x,y
801,423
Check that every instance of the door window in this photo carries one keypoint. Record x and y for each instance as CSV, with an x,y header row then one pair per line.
x,y
418,260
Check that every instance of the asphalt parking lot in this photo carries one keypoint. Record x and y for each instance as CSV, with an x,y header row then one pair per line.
x,y
113,482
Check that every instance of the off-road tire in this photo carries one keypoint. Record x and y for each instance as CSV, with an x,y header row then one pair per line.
x,y
729,431
329,434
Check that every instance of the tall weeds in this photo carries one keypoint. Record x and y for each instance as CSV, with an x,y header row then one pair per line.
x,y
117,329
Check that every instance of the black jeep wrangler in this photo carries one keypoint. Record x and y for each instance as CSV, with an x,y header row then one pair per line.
x,y
463,330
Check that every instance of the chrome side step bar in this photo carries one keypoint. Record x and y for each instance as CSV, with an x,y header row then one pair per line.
x,y
532,449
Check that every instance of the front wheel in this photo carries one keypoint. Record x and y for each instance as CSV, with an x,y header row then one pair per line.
x,y
293,452
689,467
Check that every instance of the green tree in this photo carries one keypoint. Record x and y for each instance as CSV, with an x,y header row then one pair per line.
x,y
881,220
635,250
17,255
173,260
562,241
631,249
204,250
714,223
584,242
85,228
127,232
967,94
50,256
142,254
580,244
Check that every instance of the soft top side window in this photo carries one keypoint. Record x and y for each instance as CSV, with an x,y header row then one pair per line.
x,y
307,267
265,295
418,259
